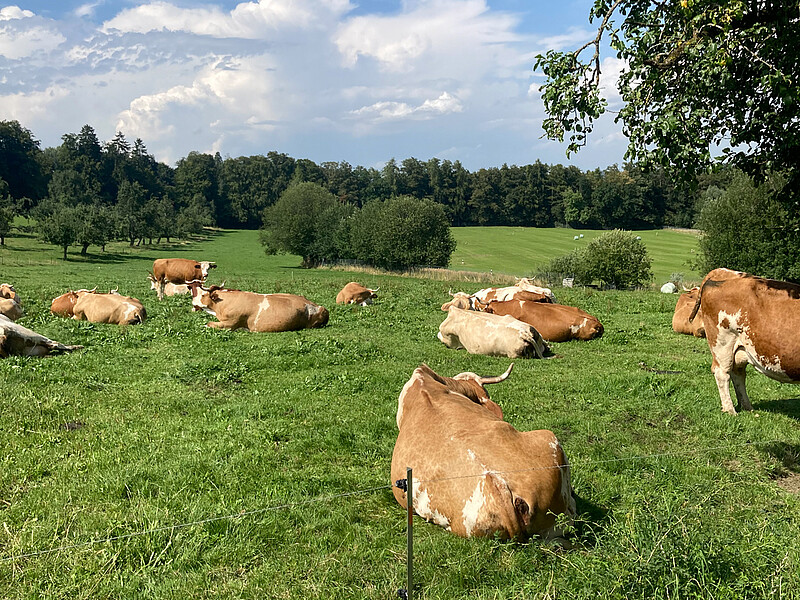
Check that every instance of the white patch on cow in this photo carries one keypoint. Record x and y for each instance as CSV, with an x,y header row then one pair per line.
x,y
130,311
576,328
556,449
312,309
472,508
422,506
471,454
263,305
417,376
766,365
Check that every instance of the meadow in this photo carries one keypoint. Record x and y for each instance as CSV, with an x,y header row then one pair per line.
x,y
523,251
169,460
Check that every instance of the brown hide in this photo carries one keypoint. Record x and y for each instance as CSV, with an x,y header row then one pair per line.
x,y
752,320
108,308
9,302
556,322
178,271
683,310
474,474
64,304
355,293
258,312
16,340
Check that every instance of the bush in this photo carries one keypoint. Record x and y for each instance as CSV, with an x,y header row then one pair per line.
x,y
569,265
402,232
619,260
743,229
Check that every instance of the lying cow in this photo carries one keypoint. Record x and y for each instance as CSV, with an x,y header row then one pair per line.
x,y
110,308
179,271
523,289
752,320
9,302
170,289
16,340
236,309
474,474
555,322
683,309
493,335
355,293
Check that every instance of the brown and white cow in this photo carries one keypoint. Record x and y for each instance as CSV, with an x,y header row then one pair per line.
x,y
170,289
10,305
556,322
493,335
523,289
355,293
683,310
16,340
473,473
179,271
236,309
110,308
751,320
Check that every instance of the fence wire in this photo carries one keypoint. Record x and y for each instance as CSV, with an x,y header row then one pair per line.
x,y
329,498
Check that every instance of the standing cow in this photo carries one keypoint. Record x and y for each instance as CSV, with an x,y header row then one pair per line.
x,y
179,271
236,309
9,302
474,474
753,320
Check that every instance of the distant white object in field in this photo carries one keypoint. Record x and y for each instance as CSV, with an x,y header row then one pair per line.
x,y
638,237
581,236
567,282
575,238
669,288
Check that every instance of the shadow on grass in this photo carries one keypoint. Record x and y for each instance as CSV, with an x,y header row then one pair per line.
x,y
786,406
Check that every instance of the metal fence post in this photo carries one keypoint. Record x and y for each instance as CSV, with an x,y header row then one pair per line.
x,y
408,486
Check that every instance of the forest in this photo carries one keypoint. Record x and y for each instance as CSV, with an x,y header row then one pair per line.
x,y
86,192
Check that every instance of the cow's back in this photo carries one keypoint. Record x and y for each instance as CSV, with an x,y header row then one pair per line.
x,y
268,312
109,308
176,270
555,322
492,335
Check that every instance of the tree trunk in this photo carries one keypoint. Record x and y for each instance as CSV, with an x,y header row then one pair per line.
x,y
65,252
84,249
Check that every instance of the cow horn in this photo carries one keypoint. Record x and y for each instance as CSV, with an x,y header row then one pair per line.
x,y
498,379
478,301
450,292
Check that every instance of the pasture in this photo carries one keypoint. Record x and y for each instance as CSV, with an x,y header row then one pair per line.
x,y
522,251
169,460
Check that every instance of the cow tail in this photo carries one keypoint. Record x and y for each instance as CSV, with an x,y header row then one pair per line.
x,y
697,303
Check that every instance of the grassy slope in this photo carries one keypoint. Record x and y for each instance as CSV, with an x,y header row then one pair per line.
x,y
522,251
178,423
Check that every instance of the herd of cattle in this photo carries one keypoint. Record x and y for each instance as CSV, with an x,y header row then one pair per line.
x,y
509,483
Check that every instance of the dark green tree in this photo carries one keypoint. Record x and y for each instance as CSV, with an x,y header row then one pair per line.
x,y
57,223
618,259
7,212
21,164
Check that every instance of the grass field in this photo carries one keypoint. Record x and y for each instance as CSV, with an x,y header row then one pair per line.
x,y
168,460
521,251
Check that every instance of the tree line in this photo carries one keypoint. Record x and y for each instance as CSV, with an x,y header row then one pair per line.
x,y
86,192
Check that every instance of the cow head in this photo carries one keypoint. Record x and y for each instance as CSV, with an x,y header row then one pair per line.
x,y
203,297
7,291
460,300
205,267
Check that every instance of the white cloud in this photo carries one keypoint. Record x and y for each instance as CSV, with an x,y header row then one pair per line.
x,y
9,13
29,107
20,43
393,111
249,20
87,10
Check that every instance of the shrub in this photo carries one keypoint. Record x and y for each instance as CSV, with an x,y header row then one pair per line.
x,y
618,259
569,265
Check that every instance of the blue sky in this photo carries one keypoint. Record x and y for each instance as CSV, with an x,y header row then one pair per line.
x,y
328,80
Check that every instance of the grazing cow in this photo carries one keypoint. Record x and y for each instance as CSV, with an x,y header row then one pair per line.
x,y
16,340
9,302
522,289
683,308
257,312
474,474
99,308
179,271
751,320
555,322
170,289
493,335
355,293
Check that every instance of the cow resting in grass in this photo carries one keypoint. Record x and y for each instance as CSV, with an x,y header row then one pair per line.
x,y
555,322
16,340
110,308
493,335
473,473
523,289
170,289
683,310
236,309
753,320
9,302
179,271
355,293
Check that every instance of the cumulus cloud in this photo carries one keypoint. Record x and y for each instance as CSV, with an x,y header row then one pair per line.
x,y
393,111
9,13
249,20
28,107
22,35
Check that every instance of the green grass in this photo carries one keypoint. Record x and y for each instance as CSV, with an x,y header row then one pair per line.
x,y
171,423
522,251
